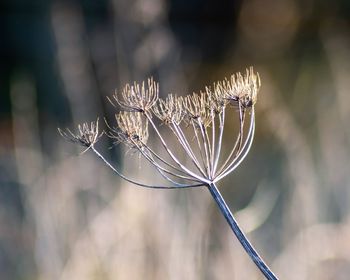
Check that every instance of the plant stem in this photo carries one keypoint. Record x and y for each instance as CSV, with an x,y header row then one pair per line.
x,y
239,234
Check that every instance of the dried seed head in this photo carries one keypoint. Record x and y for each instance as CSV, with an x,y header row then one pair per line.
x,y
170,110
87,134
198,109
131,129
136,98
239,88
217,101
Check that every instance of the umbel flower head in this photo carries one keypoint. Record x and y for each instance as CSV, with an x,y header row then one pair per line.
x,y
130,130
171,110
87,135
198,109
138,98
196,123
240,88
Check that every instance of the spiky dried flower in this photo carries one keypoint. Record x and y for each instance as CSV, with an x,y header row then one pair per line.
x,y
131,129
136,98
197,108
239,88
216,99
170,110
87,135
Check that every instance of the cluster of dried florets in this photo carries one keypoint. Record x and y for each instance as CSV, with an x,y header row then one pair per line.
x,y
196,121
136,98
87,134
130,130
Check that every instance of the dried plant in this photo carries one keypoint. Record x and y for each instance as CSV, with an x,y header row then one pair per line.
x,y
87,135
197,122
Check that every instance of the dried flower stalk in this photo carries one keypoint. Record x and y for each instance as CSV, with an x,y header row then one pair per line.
x,y
197,122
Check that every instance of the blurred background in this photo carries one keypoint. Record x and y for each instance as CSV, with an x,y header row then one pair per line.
x,y
66,216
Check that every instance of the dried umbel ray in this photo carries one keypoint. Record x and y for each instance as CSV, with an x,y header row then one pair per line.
x,y
197,122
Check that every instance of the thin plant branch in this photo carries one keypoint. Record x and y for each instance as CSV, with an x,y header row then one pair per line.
x,y
183,167
157,156
135,182
253,254
221,132
235,148
151,160
185,145
244,151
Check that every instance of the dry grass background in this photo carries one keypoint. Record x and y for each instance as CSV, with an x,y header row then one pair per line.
x,y
65,216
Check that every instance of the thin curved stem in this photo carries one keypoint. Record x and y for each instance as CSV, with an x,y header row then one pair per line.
x,y
213,135
135,182
241,121
198,142
186,146
234,149
200,178
166,177
160,168
221,132
253,254
206,146
164,161
242,153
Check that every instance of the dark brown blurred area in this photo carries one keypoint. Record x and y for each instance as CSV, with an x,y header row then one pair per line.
x,y
66,216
